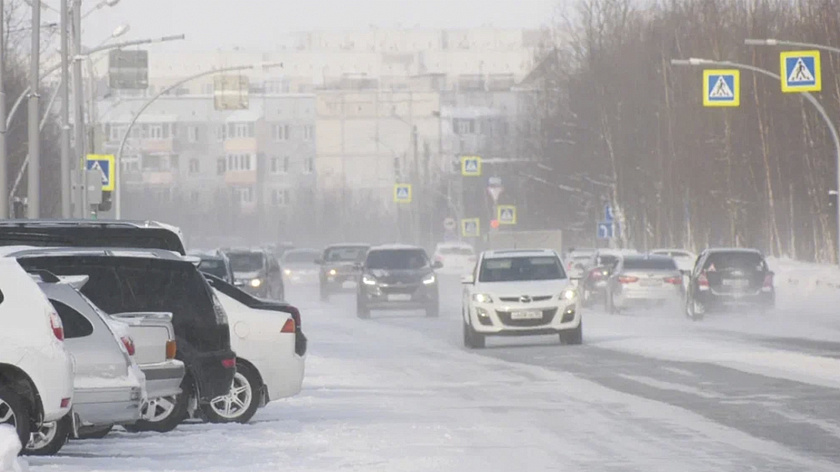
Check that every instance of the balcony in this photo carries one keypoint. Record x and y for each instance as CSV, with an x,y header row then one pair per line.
x,y
240,177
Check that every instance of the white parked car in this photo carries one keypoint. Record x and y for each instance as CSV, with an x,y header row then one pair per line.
x,y
517,293
36,370
685,259
456,257
270,353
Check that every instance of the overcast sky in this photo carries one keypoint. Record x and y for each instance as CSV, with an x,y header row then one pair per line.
x,y
213,24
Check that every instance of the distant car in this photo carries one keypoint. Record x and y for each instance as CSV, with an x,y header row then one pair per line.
x,y
340,267
598,268
576,261
729,278
456,257
215,263
300,266
520,293
36,369
685,259
643,281
108,387
398,277
153,280
257,272
270,354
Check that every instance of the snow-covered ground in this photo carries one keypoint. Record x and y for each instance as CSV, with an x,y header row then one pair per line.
x,y
651,392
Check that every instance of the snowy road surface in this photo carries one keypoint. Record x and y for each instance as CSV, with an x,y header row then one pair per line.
x,y
647,392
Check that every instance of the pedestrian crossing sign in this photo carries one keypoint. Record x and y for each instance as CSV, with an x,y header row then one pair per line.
x,y
470,228
471,166
506,214
402,193
801,71
721,88
104,163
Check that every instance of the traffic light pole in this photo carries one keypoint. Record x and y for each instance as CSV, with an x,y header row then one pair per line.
x,y
34,176
78,106
66,165
4,163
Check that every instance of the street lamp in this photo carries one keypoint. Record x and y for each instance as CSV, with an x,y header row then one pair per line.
x,y
698,62
782,42
99,6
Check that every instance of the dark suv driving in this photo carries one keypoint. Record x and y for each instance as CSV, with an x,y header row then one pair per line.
x,y
397,278
257,272
729,278
340,265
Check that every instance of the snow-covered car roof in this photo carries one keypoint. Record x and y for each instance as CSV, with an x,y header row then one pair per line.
x,y
501,253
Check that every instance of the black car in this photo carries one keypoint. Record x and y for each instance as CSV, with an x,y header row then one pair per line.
x,y
257,272
397,278
91,233
340,267
148,280
596,274
215,263
729,278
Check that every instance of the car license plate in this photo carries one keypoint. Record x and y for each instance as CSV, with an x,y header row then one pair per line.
x,y
736,283
526,315
399,297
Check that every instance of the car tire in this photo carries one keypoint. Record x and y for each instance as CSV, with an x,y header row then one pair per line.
x,y
14,411
95,433
691,310
243,395
573,337
49,438
473,340
169,412
433,310
362,310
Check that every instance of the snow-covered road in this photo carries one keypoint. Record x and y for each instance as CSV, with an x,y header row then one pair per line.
x,y
645,393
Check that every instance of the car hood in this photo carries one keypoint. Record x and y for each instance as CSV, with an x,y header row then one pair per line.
x,y
399,276
299,267
531,288
248,275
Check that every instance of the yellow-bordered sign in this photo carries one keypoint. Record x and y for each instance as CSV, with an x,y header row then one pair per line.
x,y
801,71
721,88
506,214
471,166
471,227
105,164
402,193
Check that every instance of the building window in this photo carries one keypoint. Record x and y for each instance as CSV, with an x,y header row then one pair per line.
x,y
280,132
156,132
464,126
241,162
309,165
220,133
280,197
308,132
193,166
245,195
116,132
221,166
240,130
275,165
192,134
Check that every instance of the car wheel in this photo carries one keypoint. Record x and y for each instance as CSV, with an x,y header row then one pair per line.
x,y
573,336
166,413
14,411
49,438
472,339
691,310
362,310
433,310
241,402
95,433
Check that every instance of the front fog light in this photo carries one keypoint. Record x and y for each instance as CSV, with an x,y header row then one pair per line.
x,y
256,283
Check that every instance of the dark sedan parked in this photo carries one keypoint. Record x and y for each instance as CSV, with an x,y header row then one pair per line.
x,y
729,278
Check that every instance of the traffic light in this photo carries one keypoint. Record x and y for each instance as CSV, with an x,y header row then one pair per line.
x,y
106,201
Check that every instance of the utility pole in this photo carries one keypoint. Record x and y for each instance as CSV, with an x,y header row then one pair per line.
x,y
34,200
78,102
4,164
66,166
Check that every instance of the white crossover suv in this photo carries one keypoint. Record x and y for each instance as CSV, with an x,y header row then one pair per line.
x,y
519,293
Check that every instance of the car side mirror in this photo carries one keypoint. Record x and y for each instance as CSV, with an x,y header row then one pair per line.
x,y
437,265
468,280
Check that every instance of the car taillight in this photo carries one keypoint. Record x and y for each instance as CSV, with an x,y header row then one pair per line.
x,y
702,280
288,326
57,326
673,280
129,344
595,274
627,280
229,363
65,402
295,314
171,349
768,281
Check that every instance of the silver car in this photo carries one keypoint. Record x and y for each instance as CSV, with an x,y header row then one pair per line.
x,y
644,280
108,387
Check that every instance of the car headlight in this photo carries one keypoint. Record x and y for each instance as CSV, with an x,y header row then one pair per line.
x,y
288,271
429,279
568,294
255,283
368,280
333,271
482,298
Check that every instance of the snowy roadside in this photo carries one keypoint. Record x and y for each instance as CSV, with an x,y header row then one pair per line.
x,y
9,449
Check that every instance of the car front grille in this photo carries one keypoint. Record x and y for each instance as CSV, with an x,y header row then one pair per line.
x,y
517,299
548,317
401,289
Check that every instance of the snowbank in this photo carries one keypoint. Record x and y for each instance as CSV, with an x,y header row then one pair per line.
x,y
9,449
806,276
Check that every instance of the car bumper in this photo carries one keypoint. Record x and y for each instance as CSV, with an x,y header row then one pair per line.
x,y
285,378
406,298
499,320
719,301
55,383
304,278
211,376
106,406
163,379
630,297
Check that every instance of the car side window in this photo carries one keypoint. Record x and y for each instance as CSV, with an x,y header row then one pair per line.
x,y
75,323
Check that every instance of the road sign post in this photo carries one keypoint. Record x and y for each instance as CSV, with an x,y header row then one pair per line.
x,y
104,165
801,71
506,214
721,88
605,230
470,228
609,216
450,224
470,166
402,193
128,70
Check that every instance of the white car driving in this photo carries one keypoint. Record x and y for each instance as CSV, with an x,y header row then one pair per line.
x,y
519,293
457,257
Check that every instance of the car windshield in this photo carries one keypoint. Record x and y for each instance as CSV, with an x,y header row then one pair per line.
x,y
215,267
606,260
345,254
511,269
657,263
246,261
397,259
729,261
456,251
301,257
